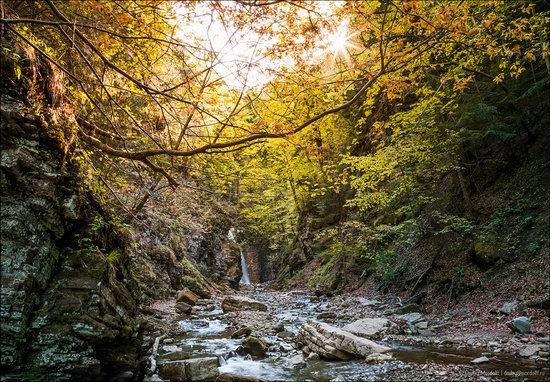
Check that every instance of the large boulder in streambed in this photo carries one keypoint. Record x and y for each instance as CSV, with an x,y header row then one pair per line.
x,y
183,308
187,297
372,328
331,342
196,369
238,303
256,347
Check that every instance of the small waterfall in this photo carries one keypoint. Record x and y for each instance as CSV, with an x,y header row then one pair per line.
x,y
245,279
246,275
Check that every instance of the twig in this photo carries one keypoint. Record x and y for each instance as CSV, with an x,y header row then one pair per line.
x,y
450,295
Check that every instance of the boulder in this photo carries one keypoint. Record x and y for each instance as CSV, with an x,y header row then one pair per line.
x,y
408,308
372,328
173,371
508,307
313,357
176,355
242,332
480,360
421,325
520,325
197,369
231,377
378,358
187,296
202,369
254,346
285,334
334,343
411,318
297,361
183,308
285,347
238,303
326,315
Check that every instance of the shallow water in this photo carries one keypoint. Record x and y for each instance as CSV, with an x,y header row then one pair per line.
x,y
209,335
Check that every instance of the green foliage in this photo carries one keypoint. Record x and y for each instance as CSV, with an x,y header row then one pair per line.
x,y
452,223
527,221
322,275
114,257
533,248
408,161
457,83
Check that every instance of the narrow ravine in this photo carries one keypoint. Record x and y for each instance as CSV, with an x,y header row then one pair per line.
x,y
235,340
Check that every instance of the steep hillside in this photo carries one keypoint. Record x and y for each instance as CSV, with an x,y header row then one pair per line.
x,y
480,239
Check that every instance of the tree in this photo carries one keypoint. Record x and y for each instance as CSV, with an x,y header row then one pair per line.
x,y
148,90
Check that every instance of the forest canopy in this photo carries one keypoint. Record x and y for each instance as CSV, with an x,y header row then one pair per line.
x,y
344,105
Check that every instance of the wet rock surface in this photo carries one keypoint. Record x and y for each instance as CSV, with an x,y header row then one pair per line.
x,y
411,355
239,303
67,311
372,328
334,343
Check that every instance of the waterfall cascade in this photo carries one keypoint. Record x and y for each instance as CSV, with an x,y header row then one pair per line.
x,y
245,279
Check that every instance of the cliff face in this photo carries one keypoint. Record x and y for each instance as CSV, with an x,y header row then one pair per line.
x,y
259,257
182,242
68,305
71,279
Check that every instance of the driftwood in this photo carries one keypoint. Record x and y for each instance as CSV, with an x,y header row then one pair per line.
x,y
153,356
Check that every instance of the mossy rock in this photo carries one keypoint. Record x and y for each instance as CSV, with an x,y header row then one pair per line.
x,y
486,250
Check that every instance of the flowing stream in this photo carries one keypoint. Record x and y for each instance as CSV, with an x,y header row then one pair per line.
x,y
208,333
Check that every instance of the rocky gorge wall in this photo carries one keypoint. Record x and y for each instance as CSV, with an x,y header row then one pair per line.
x,y
68,305
73,280
183,243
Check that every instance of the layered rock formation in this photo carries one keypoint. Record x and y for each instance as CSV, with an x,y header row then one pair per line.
x,y
68,302
331,342
372,328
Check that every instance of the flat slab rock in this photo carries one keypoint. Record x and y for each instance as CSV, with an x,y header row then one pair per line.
x,y
372,328
231,377
331,342
238,303
197,369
